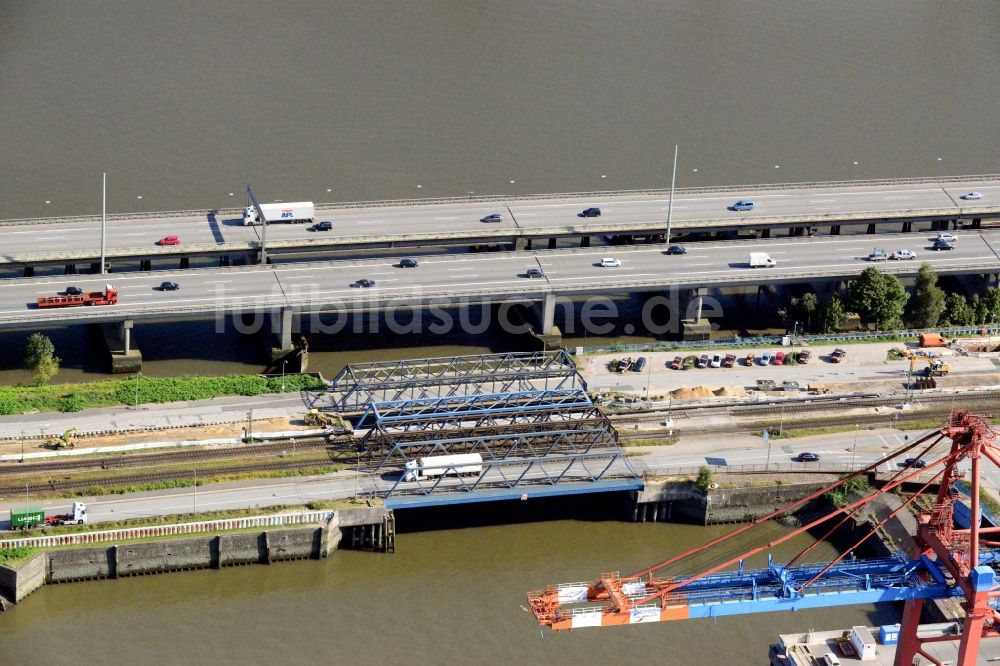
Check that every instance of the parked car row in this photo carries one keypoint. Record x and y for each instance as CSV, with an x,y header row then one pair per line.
x,y
767,358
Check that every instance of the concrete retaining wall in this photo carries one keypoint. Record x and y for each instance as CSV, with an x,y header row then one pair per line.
x,y
682,502
198,552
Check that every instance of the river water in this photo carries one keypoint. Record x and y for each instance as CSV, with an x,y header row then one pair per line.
x,y
451,596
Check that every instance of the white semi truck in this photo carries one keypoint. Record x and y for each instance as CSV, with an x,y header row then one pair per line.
x,y
300,211
761,260
429,467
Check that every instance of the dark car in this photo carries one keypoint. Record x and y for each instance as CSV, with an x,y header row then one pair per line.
x,y
73,291
321,226
914,462
492,217
169,286
677,249
677,363
534,273
591,212
940,244
808,457
729,361
408,263
703,361
363,283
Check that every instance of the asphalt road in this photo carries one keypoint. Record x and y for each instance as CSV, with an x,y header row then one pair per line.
x,y
59,239
567,272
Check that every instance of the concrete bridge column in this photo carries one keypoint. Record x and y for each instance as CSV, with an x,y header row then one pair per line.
x,y
29,270
224,260
585,241
693,327
765,232
834,229
977,223
146,265
871,228
907,227
552,243
548,314
118,338
521,244
185,262
70,269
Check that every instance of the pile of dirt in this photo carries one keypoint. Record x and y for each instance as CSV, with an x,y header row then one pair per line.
x,y
730,392
691,393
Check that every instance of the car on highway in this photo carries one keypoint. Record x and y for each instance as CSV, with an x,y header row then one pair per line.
x,y
716,361
363,283
807,456
169,240
766,358
534,273
903,255
914,462
322,226
169,286
837,355
972,196
946,236
408,263
609,262
940,244
803,356
677,363
729,361
779,358
590,212
492,217
878,254
743,204
73,291
676,249
702,361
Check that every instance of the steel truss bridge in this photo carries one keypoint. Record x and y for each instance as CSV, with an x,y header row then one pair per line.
x,y
952,562
358,385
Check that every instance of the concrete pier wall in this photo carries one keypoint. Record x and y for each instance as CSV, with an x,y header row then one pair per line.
x,y
682,502
370,528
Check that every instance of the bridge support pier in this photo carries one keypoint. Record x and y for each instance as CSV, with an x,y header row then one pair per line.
x,y
552,243
29,271
125,358
871,228
693,327
834,229
765,233
224,260
70,269
977,223
585,241
185,262
548,314
907,227
146,265
522,244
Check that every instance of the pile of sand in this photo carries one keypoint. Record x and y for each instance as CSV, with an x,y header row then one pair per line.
x,y
691,393
730,392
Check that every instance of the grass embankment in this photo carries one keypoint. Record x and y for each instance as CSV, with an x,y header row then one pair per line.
x,y
791,432
117,392
16,555
659,441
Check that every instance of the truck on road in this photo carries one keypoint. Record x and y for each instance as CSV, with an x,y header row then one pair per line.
x,y
430,467
301,211
27,518
761,260
107,297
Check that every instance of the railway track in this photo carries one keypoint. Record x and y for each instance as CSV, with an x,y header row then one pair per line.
x,y
154,477
140,459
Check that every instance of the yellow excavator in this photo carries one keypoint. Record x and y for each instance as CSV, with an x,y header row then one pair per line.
x,y
318,418
67,440
935,366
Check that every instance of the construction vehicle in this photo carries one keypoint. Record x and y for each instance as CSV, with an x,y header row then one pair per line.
x,y
26,519
67,440
932,340
318,418
107,297
935,366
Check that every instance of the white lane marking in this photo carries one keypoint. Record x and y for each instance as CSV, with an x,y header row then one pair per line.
x,y
50,231
212,281
821,200
446,218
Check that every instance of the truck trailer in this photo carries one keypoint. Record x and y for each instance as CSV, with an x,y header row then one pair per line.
x,y
28,518
301,211
761,260
107,297
429,467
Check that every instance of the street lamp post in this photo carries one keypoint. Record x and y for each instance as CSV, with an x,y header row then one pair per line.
x,y
137,376
22,445
854,449
283,364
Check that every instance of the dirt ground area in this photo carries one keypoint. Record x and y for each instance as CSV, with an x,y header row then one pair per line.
x,y
169,435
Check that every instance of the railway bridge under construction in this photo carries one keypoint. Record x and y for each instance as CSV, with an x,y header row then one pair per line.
x,y
524,418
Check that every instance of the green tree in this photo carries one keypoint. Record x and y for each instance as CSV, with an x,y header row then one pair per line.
x,y
39,357
957,311
704,478
927,303
833,315
992,300
981,309
805,309
878,299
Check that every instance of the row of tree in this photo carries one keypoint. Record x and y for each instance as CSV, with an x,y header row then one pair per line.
x,y
882,300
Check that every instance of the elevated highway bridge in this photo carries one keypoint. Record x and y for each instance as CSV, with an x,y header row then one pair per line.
x,y
533,222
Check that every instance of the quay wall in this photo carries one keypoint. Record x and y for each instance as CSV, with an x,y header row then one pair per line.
x,y
681,501
369,529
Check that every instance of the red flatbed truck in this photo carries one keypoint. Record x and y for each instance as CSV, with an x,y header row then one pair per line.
x,y
107,297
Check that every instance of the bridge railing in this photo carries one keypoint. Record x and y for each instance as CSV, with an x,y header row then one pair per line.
x,y
499,198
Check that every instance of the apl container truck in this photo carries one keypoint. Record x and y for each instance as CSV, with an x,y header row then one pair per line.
x,y
301,211
26,519
430,467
